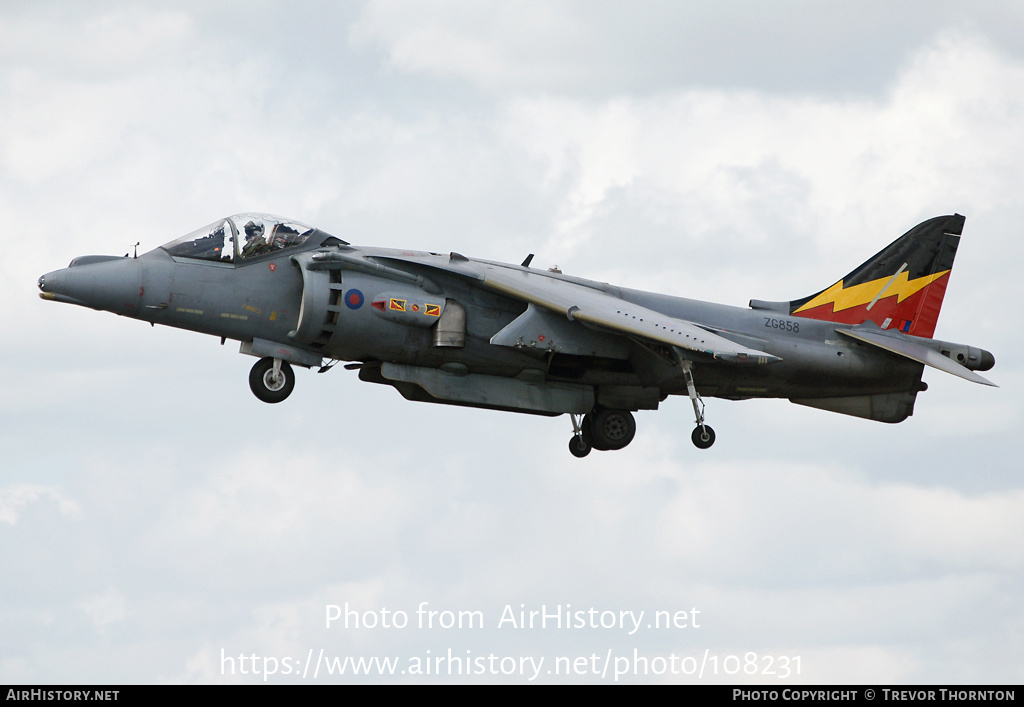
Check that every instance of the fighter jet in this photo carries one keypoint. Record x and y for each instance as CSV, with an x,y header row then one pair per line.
x,y
445,328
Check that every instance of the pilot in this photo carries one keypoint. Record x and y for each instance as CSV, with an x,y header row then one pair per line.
x,y
284,236
255,243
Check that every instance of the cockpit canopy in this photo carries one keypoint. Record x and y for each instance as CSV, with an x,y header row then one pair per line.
x,y
235,238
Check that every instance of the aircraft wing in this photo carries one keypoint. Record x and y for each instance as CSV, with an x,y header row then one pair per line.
x,y
904,346
585,304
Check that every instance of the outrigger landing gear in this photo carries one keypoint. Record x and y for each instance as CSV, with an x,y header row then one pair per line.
x,y
703,436
602,429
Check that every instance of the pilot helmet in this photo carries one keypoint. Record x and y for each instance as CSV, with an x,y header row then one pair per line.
x,y
253,230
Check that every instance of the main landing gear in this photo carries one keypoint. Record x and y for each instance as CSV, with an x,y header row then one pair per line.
x,y
601,429
271,380
604,429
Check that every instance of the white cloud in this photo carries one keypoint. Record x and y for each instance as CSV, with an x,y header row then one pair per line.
x,y
598,48
108,42
878,665
105,609
14,499
719,169
483,44
839,527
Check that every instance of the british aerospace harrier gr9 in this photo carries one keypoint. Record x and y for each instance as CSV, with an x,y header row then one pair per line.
x,y
444,328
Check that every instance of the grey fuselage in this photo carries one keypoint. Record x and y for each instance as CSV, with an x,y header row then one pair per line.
x,y
262,299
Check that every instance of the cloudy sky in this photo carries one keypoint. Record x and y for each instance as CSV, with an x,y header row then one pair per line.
x,y
156,519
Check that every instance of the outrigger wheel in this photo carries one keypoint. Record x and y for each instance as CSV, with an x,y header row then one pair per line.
x,y
703,436
271,380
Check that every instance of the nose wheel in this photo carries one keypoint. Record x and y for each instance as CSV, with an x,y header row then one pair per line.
x,y
271,380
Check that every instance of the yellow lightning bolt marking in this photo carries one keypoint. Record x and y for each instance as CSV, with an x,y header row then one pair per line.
x,y
855,295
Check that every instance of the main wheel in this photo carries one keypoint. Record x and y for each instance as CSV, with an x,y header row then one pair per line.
x,y
579,447
587,432
703,436
612,429
268,387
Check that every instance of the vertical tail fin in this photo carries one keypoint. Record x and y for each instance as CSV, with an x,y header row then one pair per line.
x,y
901,287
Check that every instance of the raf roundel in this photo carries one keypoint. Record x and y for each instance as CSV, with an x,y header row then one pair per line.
x,y
353,299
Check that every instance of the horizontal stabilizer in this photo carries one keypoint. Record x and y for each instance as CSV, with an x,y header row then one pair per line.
x,y
915,352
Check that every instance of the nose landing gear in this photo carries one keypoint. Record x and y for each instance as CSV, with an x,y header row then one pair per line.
x,y
271,380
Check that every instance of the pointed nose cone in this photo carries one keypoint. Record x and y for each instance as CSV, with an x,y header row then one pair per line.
x,y
111,284
57,286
